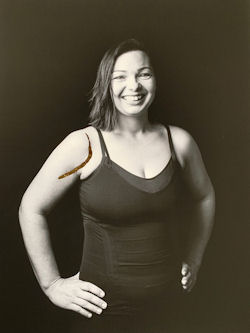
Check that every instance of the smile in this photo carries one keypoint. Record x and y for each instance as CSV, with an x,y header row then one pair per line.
x,y
133,98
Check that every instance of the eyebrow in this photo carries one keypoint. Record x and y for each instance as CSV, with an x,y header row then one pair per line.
x,y
140,69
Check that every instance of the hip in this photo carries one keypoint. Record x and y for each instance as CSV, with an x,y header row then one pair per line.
x,y
157,315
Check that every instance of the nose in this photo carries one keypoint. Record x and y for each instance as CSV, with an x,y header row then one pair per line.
x,y
132,83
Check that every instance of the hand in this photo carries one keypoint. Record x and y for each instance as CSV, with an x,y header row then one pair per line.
x,y
189,273
74,294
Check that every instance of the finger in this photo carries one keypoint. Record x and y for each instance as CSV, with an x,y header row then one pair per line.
x,y
187,287
80,310
184,269
92,298
188,276
87,305
88,286
190,285
186,279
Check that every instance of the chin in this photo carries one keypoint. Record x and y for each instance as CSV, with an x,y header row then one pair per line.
x,y
132,112
133,109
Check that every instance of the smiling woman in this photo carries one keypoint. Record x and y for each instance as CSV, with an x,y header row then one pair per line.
x,y
117,70
132,269
133,83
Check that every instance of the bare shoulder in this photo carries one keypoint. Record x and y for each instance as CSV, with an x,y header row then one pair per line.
x,y
181,138
77,138
86,133
183,142
69,154
76,143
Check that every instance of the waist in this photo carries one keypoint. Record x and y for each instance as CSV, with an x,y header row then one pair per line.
x,y
133,260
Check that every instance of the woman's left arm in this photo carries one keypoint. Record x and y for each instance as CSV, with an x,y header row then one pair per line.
x,y
201,189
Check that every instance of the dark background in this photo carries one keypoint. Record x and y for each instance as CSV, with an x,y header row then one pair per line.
x,y
50,53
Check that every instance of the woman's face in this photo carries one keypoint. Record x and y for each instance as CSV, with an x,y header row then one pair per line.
x,y
132,83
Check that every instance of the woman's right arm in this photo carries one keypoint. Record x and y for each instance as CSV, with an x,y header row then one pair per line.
x,y
40,197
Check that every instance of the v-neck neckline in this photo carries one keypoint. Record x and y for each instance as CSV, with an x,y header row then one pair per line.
x,y
137,182
110,162
139,177
152,185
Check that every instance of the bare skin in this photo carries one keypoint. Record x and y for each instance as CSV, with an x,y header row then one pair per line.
x,y
133,137
40,197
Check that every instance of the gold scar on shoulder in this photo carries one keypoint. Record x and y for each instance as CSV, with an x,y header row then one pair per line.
x,y
81,165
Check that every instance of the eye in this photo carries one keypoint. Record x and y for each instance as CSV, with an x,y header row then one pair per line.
x,y
119,77
145,75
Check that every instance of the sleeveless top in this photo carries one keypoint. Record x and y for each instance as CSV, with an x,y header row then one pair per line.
x,y
130,232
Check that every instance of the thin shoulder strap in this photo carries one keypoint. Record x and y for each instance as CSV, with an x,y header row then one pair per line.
x,y
173,154
81,165
103,145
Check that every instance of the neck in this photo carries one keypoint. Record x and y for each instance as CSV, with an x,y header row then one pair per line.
x,y
132,125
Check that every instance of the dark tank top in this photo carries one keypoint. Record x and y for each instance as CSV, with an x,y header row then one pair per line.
x,y
130,233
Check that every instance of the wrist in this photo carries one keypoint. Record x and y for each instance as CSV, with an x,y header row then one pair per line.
x,y
46,286
192,262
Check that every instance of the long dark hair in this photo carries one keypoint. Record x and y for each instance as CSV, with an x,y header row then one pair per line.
x,y
103,112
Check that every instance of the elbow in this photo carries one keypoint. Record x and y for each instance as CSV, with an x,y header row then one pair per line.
x,y
207,201
21,206
21,210
207,204
27,212
24,204
211,196
30,205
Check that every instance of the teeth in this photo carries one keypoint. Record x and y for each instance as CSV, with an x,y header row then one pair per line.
x,y
133,98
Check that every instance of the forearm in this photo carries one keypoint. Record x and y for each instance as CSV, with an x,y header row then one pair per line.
x,y
200,229
37,241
